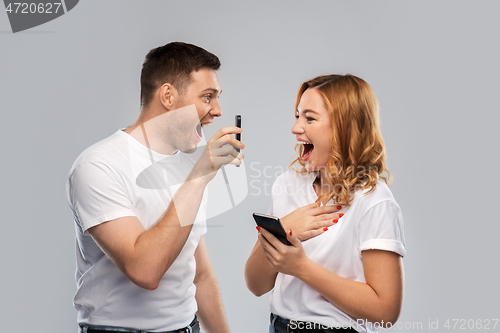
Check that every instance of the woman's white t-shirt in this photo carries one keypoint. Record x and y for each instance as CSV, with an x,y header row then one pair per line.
x,y
373,221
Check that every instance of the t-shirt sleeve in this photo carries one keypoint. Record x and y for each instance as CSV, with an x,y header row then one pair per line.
x,y
381,228
270,207
96,195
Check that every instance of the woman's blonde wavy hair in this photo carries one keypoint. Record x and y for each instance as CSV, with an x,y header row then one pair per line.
x,y
358,155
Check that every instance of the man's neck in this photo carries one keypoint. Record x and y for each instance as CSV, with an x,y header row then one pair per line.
x,y
149,135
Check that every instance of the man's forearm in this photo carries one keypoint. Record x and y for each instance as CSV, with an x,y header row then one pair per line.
x,y
210,306
157,248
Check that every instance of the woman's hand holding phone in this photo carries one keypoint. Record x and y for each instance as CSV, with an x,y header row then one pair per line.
x,y
311,220
286,259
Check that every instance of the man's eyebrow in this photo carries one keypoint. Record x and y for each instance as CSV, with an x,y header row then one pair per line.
x,y
213,90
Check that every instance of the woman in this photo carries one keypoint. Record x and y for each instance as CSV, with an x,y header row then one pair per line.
x,y
344,270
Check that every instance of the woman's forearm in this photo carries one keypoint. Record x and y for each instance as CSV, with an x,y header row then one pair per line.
x,y
259,274
356,299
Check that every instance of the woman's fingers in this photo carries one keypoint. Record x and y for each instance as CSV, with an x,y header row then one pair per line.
x,y
323,223
271,240
325,217
318,227
331,217
326,209
312,233
293,239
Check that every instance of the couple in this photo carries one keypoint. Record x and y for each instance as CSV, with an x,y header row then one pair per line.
x,y
142,262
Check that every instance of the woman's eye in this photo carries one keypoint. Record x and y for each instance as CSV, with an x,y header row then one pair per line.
x,y
309,119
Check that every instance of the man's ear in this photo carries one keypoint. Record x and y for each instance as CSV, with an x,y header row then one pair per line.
x,y
169,96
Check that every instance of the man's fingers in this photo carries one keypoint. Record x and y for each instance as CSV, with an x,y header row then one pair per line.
x,y
227,140
220,161
225,151
224,135
222,153
226,130
234,161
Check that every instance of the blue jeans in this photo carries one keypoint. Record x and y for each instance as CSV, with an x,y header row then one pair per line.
x,y
194,327
119,329
271,326
283,322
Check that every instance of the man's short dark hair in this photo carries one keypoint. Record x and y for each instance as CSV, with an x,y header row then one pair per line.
x,y
173,63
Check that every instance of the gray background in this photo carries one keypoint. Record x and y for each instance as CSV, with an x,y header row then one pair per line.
x,y
433,65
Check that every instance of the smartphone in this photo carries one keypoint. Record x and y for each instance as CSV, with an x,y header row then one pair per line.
x,y
273,225
237,123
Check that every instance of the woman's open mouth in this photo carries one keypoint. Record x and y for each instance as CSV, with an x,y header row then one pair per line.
x,y
308,149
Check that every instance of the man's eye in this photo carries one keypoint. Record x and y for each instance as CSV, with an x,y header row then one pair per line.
x,y
207,98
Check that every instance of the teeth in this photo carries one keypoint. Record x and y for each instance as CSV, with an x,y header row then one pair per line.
x,y
304,143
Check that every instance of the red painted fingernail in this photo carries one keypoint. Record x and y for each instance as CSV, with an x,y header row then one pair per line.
x,y
335,220
316,200
290,232
341,214
325,228
258,228
339,207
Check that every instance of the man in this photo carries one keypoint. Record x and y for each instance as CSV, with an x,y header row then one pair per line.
x,y
142,263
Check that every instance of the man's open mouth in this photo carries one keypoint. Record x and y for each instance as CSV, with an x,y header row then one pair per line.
x,y
198,131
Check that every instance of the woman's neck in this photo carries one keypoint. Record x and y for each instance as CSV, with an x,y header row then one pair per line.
x,y
321,186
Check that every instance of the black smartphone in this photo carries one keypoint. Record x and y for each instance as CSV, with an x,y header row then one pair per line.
x,y
273,225
237,123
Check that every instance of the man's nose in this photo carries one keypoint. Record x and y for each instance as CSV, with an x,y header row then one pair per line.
x,y
216,110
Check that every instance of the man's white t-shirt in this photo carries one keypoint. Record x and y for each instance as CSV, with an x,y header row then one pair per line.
x,y
373,221
115,178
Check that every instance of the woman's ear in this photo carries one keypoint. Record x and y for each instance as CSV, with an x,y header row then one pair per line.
x,y
168,96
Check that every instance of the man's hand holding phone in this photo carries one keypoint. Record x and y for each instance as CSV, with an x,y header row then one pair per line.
x,y
220,150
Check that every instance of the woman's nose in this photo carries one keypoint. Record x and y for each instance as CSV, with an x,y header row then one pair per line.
x,y
297,128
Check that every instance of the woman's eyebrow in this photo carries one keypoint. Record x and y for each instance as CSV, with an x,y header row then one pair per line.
x,y
306,111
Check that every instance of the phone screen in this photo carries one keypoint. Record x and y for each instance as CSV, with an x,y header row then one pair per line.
x,y
237,123
273,225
